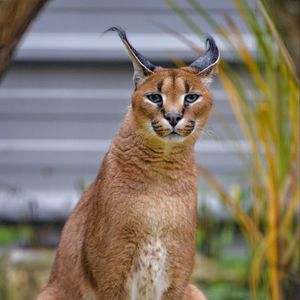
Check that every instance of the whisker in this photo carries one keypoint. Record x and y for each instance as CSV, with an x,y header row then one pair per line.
x,y
209,132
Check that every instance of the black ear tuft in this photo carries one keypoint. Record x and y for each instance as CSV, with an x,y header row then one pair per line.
x,y
209,59
147,66
121,32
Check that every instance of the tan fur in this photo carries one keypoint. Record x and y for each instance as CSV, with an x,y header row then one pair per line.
x,y
146,188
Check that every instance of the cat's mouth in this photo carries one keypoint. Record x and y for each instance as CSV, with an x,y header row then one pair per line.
x,y
174,136
183,132
174,133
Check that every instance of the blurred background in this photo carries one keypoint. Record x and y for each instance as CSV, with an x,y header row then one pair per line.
x,y
64,95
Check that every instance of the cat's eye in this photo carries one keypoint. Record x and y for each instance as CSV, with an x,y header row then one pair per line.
x,y
191,98
155,98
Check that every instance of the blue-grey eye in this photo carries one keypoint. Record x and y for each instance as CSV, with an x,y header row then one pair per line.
x,y
191,98
155,98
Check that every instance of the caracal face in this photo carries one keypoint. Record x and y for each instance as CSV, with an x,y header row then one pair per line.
x,y
172,105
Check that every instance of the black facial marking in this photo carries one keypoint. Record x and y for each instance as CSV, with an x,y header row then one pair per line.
x,y
159,85
187,87
173,78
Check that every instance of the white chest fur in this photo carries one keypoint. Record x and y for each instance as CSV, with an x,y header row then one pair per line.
x,y
148,279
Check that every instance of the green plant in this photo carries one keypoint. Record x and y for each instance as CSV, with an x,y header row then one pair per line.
x,y
269,119
11,234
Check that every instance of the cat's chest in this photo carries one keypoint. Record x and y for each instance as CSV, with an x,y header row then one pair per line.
x,y
159,218
148,278
164,211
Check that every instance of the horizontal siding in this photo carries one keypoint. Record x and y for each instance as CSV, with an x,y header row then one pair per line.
x,y
94,47
70,30
66,95
141,5
97,21
59,77
68,169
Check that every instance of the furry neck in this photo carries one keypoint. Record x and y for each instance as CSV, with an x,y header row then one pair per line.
x,y
132,146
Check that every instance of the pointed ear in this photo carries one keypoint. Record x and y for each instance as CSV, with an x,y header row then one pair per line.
x,y
141,65
206,63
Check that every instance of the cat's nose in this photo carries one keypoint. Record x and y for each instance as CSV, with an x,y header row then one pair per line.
x,y
173,117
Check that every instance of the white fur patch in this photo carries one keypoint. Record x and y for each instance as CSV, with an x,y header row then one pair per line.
x,y
148,279
207,80
181,124
165,124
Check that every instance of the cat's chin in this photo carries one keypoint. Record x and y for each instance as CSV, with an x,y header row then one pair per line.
x,y
175,137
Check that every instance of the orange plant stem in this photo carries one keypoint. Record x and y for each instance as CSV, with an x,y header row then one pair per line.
x,y
273,249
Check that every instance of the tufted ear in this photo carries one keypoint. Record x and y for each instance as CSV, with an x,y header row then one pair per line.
x,y
141,65
206,63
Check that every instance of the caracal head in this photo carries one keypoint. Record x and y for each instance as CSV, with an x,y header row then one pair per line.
x,y
171,105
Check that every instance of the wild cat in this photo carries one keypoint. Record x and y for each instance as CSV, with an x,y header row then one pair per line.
x,y
132,234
